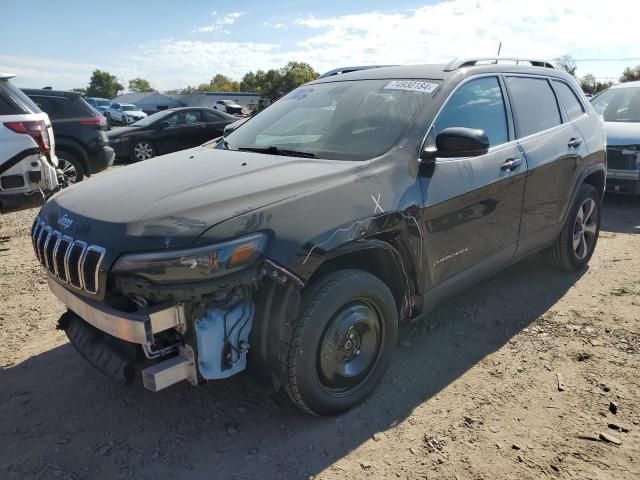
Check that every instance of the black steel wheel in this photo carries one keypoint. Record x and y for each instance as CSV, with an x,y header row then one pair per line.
x,y
342,343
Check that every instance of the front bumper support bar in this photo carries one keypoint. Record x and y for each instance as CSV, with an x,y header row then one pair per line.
x,y
138,327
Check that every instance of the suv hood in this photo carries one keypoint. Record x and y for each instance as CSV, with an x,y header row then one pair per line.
x,y
169,201
623,133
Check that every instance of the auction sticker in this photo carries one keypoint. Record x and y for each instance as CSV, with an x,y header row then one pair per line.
x,y
412,85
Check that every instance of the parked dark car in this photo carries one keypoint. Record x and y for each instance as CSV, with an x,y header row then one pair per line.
x,y
168,131
82,145
620,108
294,246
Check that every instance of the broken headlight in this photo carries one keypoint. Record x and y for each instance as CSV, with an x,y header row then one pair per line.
x,y
194,264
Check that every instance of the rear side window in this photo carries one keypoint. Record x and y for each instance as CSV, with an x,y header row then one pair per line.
x,y
477,104
53,106
13,101
569,100
212,117
534,104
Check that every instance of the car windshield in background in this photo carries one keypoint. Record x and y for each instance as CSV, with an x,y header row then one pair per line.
x,y
129,108
104,103
347,120
619,104
145,122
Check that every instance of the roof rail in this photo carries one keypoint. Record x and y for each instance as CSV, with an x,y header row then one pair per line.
x,y
470,62
341,70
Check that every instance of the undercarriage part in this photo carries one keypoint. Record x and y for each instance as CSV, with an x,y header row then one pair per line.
x,y
223,338
112,356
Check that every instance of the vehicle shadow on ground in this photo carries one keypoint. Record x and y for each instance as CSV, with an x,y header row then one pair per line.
x,y
621,214
62,419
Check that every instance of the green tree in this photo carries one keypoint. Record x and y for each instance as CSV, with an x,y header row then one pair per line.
x,y
566,63
83,91
140,85
590,84
103,84
275,83
630,74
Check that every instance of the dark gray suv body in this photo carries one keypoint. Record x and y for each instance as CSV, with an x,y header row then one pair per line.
x,y
294,246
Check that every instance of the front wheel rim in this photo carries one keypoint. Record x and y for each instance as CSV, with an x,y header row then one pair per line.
x,y
585,229
68,170
349,347
143,151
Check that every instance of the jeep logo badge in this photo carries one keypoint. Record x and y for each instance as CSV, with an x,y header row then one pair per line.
x,y
65,222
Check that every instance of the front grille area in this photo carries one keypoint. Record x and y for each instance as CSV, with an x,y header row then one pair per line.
x,y
621,159
72,261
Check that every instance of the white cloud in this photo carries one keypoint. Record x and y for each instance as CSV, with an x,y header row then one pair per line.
x,y
433,33
275,25
219,24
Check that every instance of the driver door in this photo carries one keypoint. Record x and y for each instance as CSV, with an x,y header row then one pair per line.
x,y
472,205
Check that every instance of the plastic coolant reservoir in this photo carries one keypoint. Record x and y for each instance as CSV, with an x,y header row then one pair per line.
x,y
229,324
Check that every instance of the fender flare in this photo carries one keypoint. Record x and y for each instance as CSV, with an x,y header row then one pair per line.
x,y
75,148
584,174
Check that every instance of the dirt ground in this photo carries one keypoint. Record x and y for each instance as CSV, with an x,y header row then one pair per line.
x,y
473,392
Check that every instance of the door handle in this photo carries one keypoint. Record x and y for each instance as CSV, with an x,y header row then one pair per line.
x,y
511,164
574,142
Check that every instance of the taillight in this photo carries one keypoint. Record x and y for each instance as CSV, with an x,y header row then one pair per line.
x,y
95,121
37,129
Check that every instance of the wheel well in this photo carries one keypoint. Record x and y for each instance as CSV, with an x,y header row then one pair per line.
x,y
597,180
384,263
78,152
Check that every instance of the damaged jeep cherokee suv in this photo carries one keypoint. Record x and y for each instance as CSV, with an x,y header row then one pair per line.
x,y
292,247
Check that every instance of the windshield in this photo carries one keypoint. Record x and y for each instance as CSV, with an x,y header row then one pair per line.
x,y
347,120
145,122
104,103
129,108
619,104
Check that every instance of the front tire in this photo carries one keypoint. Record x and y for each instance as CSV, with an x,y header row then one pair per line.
x,y
142,150
579,235
342,342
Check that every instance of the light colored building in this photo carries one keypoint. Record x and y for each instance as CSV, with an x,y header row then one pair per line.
x,y
149,102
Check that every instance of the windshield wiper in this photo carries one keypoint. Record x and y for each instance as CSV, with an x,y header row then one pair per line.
x,y
273,150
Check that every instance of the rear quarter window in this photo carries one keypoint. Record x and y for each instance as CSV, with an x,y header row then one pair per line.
x,y
568,98
534,105
14,101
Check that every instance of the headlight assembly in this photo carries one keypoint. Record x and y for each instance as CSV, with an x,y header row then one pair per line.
x,y
195,264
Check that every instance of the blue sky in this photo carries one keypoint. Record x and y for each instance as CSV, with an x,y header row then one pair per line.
x,y
178,43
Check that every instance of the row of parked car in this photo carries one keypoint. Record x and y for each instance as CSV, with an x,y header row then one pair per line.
x,y
50,139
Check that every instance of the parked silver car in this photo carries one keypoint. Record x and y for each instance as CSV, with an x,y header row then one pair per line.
x,y
620,108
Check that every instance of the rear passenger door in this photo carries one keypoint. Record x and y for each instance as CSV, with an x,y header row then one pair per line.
x,y
553,149
472,204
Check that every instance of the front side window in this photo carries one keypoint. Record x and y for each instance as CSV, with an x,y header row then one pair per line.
x,y
342,120
569,100
619,104
534,105
477,104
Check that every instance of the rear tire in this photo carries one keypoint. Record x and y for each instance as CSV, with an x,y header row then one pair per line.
x,y
577,241
342,342
71,167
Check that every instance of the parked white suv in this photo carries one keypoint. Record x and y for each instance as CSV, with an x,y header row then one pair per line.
x,y
28,164
124,113
228,106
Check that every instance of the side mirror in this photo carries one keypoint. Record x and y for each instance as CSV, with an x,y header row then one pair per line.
x,y
457,142
233,126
